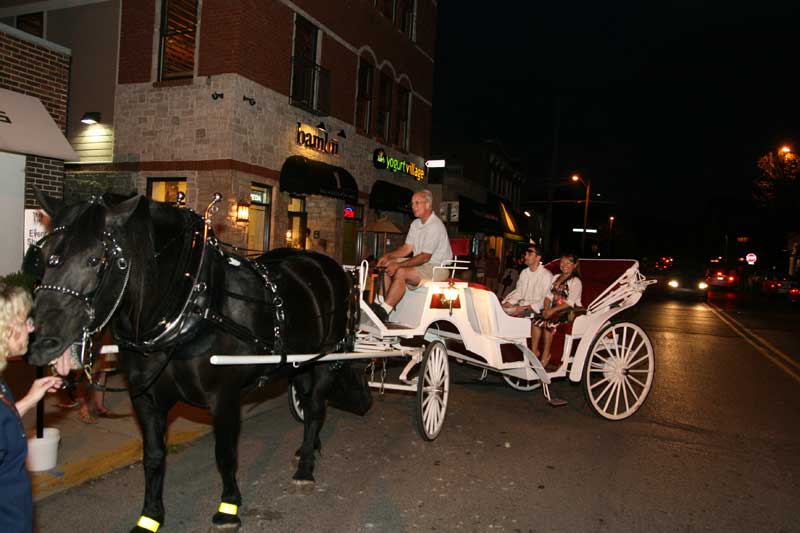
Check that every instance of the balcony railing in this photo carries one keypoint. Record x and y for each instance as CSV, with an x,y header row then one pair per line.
x,y
311,86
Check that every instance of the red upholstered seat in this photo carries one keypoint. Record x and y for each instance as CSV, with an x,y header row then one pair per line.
x,y
459,246
596,276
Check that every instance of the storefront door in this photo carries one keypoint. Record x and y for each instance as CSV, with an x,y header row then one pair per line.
x,y
260,213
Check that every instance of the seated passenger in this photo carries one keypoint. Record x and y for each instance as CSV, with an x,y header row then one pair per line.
x,y
565,295
527,299
427,244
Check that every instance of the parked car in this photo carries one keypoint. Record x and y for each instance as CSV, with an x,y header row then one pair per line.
x,y
723,277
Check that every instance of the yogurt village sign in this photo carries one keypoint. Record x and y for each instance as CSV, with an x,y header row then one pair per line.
x,y
383,161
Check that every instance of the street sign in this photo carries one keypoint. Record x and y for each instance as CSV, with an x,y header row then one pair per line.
x,y
751,258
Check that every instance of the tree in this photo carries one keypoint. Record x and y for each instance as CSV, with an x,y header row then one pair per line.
x,y
778,186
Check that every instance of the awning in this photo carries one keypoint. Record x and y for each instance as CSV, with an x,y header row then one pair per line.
x,y
300,175
27,128
386,196
508,220
475,217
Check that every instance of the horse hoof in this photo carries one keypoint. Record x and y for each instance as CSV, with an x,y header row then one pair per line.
x,y
226,521
302,486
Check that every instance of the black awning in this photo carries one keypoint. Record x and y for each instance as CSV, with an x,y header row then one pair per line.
x,y
300,175
509,220
386,196
475,217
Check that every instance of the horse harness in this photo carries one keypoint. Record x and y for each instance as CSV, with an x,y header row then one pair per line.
x,y
114,273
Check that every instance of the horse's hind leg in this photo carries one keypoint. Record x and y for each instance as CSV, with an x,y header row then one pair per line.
x,y
227,424
314,417
153,421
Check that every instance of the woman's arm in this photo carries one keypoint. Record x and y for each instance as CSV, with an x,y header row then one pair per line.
x,y
37,391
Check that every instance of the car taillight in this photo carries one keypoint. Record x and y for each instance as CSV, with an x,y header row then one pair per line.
x,y
731,278
794,290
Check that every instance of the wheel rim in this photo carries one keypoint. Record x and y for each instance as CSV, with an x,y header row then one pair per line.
x,y
298,409
435,390
620,371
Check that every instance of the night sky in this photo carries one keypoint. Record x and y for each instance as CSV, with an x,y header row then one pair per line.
x,y
665,106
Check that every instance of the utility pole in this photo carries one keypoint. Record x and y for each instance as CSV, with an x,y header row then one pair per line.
x,y
548,217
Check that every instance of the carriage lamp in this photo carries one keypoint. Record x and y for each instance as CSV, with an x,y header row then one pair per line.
x,y
451,292
673,283
242,212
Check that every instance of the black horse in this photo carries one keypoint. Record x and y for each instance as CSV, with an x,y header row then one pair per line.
x,y
173,296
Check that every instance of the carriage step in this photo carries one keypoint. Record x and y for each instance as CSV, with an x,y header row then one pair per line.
x,y
557,402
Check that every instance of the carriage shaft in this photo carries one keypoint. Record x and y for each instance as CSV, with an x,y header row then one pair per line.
x,y
299,357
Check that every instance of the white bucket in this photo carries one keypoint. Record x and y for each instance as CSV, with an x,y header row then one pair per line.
x,y
43,453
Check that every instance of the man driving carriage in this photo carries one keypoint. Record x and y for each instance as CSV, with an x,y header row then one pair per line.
x,y
427,244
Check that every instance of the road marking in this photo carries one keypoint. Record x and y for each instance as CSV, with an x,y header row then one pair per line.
x,y
767,349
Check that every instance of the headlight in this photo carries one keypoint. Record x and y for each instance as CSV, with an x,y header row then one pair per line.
x,y
673,283
702,285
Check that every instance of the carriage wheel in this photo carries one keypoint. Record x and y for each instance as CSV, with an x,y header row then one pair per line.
x,y
433,389
522,384
294,403
619,371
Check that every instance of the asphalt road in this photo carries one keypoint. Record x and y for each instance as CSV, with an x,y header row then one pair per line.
x,y
716,447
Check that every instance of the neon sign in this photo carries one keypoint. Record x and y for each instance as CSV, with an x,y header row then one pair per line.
x,y
382,161
349,213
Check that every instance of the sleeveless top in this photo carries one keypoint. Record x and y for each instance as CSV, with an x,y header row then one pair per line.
x,y
16,503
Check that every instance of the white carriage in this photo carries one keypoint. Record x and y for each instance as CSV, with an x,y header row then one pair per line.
x,y
439,320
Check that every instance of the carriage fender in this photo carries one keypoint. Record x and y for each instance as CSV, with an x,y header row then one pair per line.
x,y
588,327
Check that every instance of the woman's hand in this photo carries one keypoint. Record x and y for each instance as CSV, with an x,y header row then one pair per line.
x,y
37,391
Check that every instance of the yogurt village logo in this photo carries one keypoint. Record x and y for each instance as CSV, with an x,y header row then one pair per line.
x,y
315,142
382,161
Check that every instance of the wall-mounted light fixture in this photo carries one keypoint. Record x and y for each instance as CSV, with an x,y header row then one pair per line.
x,y
91,117
251,101
242,212
342,134
321,126
289,234
216,96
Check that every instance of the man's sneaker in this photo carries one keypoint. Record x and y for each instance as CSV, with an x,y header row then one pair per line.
x,y
379,311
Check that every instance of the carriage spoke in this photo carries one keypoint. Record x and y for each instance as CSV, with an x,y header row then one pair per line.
x,y
616,398
603,392
637,381
599,382
634,395
610,395
639,371
636,363
632,353
625,386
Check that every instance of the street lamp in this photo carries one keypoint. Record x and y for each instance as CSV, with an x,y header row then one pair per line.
x,y
610,233
588,185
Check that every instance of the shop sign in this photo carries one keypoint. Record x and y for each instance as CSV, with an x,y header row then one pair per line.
x,y
383,161
751,258
35,227
316,142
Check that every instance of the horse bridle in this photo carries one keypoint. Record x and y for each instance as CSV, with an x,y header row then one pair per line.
x,y
113,275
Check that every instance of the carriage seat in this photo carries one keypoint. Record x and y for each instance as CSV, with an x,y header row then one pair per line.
x,y
596,276
486,315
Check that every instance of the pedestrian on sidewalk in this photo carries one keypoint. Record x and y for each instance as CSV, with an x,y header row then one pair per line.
x,y
16,500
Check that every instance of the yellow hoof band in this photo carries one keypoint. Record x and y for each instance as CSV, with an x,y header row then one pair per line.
x,y
228,508
148,523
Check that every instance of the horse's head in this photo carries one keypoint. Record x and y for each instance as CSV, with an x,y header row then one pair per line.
x,y
84,266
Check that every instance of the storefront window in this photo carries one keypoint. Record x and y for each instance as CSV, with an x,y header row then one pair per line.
x,y
351,241
260,212
296,234
166,189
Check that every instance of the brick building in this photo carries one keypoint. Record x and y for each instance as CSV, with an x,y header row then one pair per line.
x,y
29,67
314,115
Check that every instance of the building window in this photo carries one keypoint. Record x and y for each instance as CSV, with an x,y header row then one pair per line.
x,y
364,98
311,84
258,226
384,106
401,127
296,233
166,189
32,23
406,13
178,33
386,7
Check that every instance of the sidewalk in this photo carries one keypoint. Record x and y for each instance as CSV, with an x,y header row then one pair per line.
x,y
87,451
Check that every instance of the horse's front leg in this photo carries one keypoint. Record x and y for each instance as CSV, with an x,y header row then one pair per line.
x,y
226,412
153,422
314,416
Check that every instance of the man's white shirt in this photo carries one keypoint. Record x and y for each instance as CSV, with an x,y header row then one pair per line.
x,y
430,238
532,288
